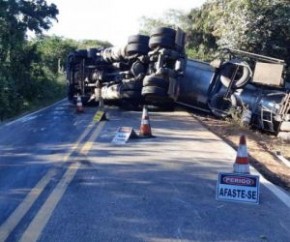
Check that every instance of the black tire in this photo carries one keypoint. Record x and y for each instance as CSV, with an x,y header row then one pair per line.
x,y
161,41
220,107
140,39
241,79
156,81
152,90
164,31
158,97
139,49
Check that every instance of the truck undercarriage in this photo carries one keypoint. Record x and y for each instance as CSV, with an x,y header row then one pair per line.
x,y
155,70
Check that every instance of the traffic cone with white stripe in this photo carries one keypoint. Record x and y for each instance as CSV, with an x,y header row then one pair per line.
x,y
241,164
145,128
79,105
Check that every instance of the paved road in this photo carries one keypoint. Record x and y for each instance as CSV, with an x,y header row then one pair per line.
x,y
61,179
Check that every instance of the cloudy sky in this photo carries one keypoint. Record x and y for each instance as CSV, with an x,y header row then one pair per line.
x,y
111,20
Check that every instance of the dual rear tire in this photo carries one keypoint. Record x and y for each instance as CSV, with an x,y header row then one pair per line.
x,y
137,45
162,38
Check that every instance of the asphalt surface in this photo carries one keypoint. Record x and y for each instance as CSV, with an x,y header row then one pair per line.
x,y
62,179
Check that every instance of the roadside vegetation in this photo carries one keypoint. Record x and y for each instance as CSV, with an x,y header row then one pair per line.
x,y
32,69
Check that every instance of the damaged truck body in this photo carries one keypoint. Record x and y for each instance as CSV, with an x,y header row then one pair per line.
x,y
244,85
155,70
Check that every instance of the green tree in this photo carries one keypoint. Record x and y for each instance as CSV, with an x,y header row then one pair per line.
x,y
261,27
201,41
16,56
18,16
53,51
171,18
86,44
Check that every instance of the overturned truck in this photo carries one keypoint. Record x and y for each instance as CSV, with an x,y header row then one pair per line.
x,y
154,70
147,69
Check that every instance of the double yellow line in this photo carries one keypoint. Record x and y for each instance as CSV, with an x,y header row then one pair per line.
x,y
35,228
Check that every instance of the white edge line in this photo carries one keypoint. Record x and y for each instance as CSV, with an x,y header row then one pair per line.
x,y
284,160
35,112
277,191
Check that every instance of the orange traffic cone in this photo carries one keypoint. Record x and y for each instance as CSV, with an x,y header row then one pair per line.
x,y
79,105
242,160
145,128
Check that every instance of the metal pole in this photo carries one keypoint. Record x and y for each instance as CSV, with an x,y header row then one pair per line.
x,y
101,100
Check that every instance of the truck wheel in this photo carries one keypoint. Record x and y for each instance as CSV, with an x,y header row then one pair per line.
x,y
155,81
221,107
243,75
140,39
158,91
161,41
163,31
133,49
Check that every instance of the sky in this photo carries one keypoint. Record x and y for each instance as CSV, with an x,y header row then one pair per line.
x,y
110,20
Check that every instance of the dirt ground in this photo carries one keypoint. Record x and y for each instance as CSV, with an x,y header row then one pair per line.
x,y
262,148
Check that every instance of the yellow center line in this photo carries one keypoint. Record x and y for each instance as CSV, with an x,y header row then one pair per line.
x,y
78,142
35,228
8,226
13,220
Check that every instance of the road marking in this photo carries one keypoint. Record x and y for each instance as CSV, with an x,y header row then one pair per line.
x,y
14,219
278,192
283,159
39,222
80,139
